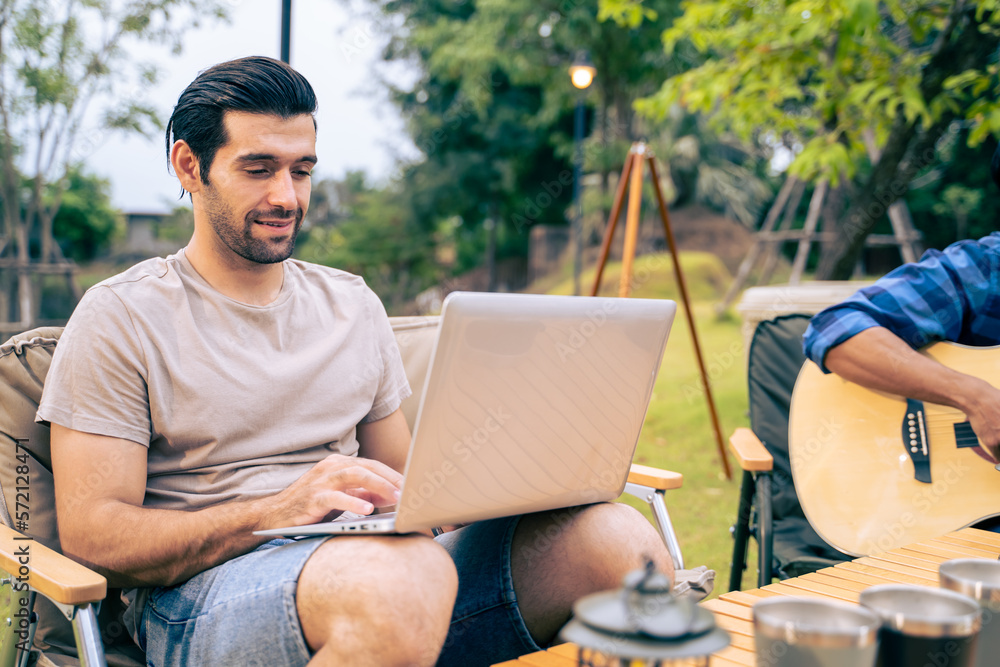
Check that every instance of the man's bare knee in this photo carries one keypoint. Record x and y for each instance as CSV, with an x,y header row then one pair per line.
x,y
625,536
558,557
389,597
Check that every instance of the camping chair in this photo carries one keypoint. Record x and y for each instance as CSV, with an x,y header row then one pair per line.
x,y
75,620
769,508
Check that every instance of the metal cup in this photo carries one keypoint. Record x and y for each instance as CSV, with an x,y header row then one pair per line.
x,y
979,578
811,632
924,626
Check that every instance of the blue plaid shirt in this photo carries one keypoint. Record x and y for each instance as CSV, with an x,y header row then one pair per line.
x,y
952,295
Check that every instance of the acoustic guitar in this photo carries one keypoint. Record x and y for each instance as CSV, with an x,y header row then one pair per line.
x,y
874,471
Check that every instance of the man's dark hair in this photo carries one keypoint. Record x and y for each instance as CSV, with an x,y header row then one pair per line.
x,y
255,84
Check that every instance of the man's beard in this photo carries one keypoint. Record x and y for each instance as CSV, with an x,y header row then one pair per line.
x,y
241,240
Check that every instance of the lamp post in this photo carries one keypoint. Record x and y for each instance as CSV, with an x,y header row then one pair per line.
x,y
581,73
286,30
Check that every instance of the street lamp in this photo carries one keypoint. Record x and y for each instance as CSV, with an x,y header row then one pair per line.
x,y
286,30
581,73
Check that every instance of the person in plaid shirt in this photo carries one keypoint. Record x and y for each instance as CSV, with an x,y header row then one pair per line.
x,y
950,295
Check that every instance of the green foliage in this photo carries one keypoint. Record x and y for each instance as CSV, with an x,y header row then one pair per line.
x,y
945,205
86,222
177,227
61,58
629,13
370,232
493,114
493,110
861,91
822,74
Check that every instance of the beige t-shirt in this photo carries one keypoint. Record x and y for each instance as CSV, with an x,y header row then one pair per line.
x,y
233,401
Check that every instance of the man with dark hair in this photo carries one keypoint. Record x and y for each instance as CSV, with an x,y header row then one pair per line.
x,y
231,388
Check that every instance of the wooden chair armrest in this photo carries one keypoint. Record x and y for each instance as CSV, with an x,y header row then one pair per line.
x,y
50,573
654,477
750,451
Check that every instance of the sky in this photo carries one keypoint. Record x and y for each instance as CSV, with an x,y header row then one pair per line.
x,y
334,48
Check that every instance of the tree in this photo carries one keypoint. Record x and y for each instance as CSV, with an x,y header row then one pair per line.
x,y
86,221
492,110
369,232
866,89
945,201
57,57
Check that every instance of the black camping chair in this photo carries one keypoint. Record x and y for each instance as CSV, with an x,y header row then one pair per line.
x,y
769,508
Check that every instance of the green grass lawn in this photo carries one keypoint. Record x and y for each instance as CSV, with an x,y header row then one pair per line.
x,y
677,434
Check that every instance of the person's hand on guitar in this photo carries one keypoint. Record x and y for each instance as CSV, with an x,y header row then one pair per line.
x,y
980,401
876,358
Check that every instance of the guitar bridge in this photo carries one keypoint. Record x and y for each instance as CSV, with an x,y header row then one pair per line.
x,y
915,440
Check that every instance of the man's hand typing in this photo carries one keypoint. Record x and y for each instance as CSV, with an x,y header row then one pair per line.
x,y
336,484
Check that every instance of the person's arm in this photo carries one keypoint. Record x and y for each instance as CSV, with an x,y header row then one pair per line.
x,y
878,359
100,482
386,440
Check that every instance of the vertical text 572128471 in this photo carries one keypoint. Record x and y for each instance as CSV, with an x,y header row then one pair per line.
x,y
19,580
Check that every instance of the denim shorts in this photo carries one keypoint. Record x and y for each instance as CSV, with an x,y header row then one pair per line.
x,y
243,612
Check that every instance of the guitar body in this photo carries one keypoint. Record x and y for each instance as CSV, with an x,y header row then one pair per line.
x,y
856,458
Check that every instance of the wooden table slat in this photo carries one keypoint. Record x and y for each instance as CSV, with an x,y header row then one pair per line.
x,y
965,550
836,582
983,536
785,589
918,575
719,661
914,559
565,650
954,538
545,659
823,589
747,598
735,626
737,655
728,609
888,576
942,552
869,578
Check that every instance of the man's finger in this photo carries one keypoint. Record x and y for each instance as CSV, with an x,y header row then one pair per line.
x,y
376,467
381,490
332,500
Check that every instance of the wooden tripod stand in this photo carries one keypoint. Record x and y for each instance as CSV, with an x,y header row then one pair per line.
x,y
632,178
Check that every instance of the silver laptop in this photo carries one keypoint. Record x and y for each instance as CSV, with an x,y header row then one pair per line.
x,y
531,403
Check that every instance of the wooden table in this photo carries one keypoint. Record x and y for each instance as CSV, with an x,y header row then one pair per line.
x,y
912,564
